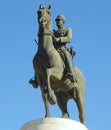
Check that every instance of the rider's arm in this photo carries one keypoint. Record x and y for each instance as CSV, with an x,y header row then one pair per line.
x,y
68,37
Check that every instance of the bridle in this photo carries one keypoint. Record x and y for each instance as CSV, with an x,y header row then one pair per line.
x,y
43,20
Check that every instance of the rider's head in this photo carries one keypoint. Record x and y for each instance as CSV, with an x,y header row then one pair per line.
x,y
60,17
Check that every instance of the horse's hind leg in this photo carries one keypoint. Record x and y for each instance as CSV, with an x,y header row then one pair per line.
x,y
62,103
80,105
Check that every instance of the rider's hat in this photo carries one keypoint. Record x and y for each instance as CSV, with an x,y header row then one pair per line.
x,y
61,17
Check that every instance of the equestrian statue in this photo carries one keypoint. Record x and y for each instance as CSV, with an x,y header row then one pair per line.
x,y
57,78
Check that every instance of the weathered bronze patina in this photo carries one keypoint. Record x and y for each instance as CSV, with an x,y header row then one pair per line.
x,y
51,73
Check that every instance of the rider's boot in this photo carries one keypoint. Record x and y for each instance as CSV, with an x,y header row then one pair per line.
x,y
34,83
70,71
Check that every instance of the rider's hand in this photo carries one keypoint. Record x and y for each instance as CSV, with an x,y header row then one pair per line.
x,y
57,39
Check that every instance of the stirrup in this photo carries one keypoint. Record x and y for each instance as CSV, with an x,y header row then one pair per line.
x,y
33,83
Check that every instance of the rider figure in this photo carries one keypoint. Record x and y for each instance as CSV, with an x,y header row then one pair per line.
x,y
62,37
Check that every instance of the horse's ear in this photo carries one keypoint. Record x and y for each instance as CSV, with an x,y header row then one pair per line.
x,y
40,6
49,6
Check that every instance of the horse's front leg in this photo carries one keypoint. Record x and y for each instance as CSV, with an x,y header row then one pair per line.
x,y
51,96
46,103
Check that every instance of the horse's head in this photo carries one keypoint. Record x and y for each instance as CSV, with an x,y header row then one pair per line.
x,y
44,16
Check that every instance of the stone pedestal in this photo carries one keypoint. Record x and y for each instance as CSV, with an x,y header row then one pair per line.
x,y
53,124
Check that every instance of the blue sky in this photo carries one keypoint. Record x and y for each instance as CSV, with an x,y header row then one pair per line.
x,y
91,25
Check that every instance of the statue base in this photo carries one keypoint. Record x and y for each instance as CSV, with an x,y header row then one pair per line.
x,y
53,124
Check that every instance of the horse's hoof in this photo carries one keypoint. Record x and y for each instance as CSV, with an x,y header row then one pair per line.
x,y
47,115
82,119
65,115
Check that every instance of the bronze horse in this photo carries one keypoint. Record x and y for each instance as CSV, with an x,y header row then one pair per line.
x,y
49,71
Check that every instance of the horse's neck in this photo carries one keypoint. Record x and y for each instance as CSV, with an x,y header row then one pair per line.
x,y
45,40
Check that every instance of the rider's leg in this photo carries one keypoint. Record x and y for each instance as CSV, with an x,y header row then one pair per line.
x,y
69,66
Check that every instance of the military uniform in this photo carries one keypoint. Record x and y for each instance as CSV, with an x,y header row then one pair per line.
x,y
65,36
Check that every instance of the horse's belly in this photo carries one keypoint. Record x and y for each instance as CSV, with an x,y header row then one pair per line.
x,y
61,84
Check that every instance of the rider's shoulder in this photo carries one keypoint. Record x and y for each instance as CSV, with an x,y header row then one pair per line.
x,y
69,29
